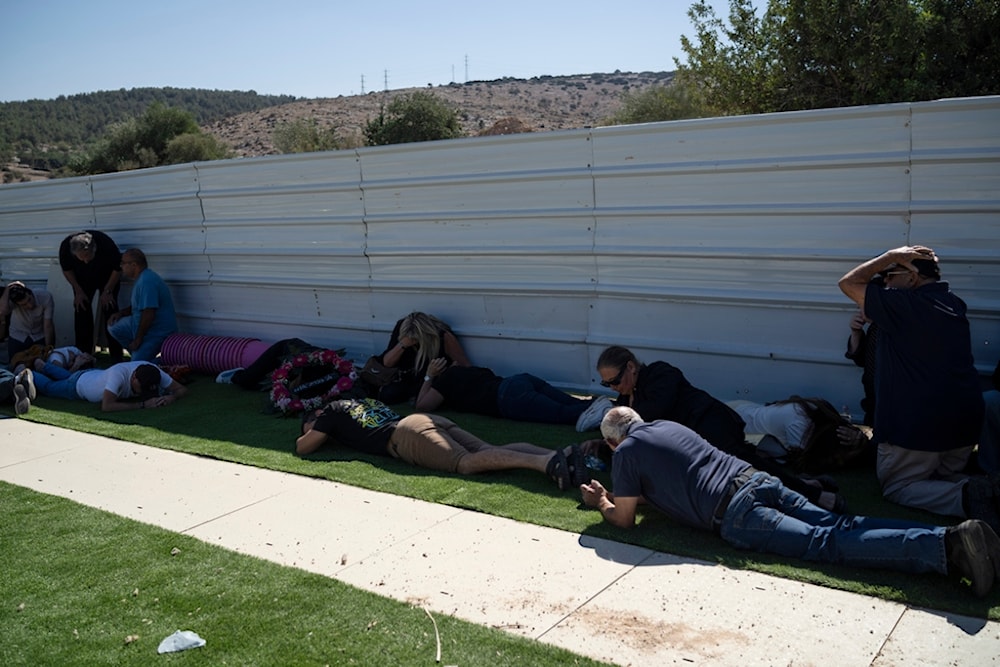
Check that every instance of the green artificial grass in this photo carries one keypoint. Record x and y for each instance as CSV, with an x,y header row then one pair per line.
x,y
85,587
225,422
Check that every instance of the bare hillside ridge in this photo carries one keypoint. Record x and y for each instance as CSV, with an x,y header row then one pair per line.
x,y
485,107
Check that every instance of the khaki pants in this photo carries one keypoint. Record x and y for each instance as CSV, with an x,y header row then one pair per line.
x,y
432,442
930,481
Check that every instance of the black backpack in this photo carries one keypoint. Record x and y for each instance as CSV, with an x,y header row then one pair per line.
x,y
823,450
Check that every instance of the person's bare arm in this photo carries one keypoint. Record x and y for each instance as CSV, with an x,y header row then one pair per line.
x,y
429,398
124,312
108,293
111,403
453,349
857,336
618,511
175,391
309,442
391,357
146,318
855,282
79,298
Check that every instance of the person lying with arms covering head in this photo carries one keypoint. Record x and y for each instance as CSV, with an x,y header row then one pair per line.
x,y
113,387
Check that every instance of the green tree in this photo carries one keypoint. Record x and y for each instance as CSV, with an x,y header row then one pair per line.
x,y
966,58
659,103
835,53
809,54
148,141
733,65
304,136
420,116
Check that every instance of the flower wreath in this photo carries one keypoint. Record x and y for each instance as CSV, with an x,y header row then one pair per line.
x,y
287,402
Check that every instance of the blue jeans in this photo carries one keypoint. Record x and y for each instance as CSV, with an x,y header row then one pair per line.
x,y
123,331
765,516
57,382
527,398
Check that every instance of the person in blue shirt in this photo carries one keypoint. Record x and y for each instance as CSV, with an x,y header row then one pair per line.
x,y
928,400
142,327
681,474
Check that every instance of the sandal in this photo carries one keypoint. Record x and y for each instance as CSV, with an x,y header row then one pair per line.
x,y
558,470
578,466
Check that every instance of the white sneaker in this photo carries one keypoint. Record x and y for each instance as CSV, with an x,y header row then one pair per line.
x,y
27,380
226,377
21,402
592,416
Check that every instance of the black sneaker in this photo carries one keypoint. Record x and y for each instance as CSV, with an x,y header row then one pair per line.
x,y
993,547
968,554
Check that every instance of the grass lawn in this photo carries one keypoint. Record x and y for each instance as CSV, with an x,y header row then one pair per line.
x,y
85,587
228,423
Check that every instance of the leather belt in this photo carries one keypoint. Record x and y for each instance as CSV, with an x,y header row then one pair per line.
x,y
727,497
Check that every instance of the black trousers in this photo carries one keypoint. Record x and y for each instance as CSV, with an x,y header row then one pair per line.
x,y
83,323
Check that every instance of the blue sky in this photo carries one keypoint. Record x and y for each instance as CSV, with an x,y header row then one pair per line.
x,y
325,48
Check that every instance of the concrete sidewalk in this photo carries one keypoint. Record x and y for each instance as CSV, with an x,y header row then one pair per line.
x,y
623,604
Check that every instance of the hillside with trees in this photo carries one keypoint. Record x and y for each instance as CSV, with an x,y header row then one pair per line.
x,y
44,134
782,55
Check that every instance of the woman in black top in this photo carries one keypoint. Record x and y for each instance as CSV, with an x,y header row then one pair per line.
x,y
416,340
660,391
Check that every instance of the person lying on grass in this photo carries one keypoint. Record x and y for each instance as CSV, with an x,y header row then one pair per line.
x,y
521,397
112,387
430,441
679,473
660,391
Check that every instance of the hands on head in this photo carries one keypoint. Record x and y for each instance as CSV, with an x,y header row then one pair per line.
x,y
904,255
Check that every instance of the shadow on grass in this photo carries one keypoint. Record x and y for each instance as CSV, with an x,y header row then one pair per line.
x,y
227,423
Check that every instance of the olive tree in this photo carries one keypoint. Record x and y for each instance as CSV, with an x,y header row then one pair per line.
x,y
420,116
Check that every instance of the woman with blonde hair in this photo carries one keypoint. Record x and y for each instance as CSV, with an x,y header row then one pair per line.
x,y
416,340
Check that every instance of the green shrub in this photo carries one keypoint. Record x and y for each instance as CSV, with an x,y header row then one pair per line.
x,y
421,116
304,136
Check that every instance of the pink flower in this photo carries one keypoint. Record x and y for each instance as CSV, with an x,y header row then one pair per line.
x,y
343,384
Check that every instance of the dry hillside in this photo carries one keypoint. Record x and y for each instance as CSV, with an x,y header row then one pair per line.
x,y
503,106
485,107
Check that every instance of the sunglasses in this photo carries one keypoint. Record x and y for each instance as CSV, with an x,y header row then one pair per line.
x,y
616,379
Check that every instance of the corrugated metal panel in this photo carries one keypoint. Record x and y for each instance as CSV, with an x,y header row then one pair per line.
x,y
714,244
33,217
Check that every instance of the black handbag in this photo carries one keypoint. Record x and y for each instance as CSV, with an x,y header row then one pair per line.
x,y
375,373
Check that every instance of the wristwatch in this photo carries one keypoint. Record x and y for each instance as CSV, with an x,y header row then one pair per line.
x,y
427,378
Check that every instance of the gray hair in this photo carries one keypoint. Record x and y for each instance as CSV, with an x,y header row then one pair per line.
x,y
617,422
81,242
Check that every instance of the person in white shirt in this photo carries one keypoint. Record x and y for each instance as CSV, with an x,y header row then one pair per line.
x,y
30,317
113,387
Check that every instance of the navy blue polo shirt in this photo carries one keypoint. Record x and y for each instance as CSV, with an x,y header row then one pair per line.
x,y
927,393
